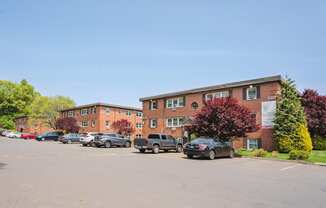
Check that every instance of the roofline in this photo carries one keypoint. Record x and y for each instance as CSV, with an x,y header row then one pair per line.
x,y
103,104
277,78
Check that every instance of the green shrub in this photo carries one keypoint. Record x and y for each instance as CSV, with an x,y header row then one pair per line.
x,y
302,140
275,154
320,143
259,153
299,155
285,144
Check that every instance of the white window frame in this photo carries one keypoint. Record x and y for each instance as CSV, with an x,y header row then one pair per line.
x,y
139,125
220,94
71,113
138,136
175,122
152,123
139,114
128,113
152,104
107,124
255,142
248,91
84,112
93,123
107,110
84,123
173,103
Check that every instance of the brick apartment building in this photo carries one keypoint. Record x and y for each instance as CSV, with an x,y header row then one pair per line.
x,y
37,128
168,113
98,117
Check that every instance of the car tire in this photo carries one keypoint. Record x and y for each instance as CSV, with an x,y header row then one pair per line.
x,y
179,148
127,145
211,155
84,145
142,150
156,149
231,154
92,144
107,144
190,156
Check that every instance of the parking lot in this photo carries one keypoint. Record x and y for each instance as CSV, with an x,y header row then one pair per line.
x,y
49,174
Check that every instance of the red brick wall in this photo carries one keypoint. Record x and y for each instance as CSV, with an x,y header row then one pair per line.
x,y
267,92
23,125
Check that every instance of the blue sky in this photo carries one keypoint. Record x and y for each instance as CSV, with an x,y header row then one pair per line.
x,y
118,51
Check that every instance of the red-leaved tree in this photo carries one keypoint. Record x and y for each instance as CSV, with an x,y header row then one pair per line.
x,y
68,125
123,127
223,118
315,110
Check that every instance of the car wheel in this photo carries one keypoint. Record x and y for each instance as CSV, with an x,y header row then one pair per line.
x,y
107,144
231,154
128,145
190,156
142,150
92,144
211,155
179,148
156,149
84,145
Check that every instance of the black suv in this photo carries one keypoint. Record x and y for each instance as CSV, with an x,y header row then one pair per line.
x,y
50,136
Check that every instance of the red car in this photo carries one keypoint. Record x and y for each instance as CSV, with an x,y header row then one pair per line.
x,y
28,136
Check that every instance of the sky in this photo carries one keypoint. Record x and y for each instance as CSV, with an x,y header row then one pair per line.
x,y
119,51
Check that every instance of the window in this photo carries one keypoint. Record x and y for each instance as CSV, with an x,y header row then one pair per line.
x,y
84,124
175,102
139,125
194,105
153,105
252,144
128,113
221,94
71,113
174,122
153,123
93,123
93,110
107,110
139,114
252,93
83,112
107,123
138,136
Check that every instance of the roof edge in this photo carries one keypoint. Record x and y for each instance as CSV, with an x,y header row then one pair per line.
x,y
102,104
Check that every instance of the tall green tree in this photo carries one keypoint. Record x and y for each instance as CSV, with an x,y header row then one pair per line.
x,y
47,109
290,126
15,99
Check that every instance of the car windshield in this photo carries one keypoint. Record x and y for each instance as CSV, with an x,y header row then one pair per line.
x,y
202,141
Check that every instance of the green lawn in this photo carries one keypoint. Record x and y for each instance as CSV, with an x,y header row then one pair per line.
x,y
315,156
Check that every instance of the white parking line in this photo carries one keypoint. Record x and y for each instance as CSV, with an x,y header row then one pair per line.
x,y
290,167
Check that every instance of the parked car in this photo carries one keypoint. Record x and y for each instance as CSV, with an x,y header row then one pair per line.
x,y
28,136
5,133
208,148
110,140
14,135
157,142
50,136
87,139
70,138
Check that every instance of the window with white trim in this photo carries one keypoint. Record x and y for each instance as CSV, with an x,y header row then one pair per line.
x,y
174,122
107,124
139,114
84,124
153,105
93,123
71,113
252,144
138,136
153,123
128,113
221,94
139,125
84,112
252,93
175,102
107,110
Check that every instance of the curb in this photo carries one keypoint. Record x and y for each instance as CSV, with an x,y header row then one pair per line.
x,y
290,161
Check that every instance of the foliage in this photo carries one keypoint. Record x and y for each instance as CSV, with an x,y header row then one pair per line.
x,y
48,109
223,118
319,143
290,129
299,155
259,153
275,154
15,99
69,125
315,110
123,127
